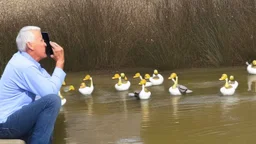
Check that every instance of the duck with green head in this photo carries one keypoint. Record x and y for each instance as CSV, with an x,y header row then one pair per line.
x,y
233,82
156,79
251,68
120,85
227,89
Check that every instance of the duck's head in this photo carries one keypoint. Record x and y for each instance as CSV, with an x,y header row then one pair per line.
x,y
87,77
254,62
136,75
155,72
64,83
223,77
142,82
172,76
123,76
82,85
116,76
71,87
231,78
147,76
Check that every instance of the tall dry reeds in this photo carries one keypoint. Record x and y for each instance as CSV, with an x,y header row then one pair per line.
x,y
111,34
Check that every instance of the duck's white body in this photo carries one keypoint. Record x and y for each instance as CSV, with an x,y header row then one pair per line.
x,y
176,88
143,94
123,86
158,81
225,91
250,69
174,91
87,90
63,100
148,84
234,85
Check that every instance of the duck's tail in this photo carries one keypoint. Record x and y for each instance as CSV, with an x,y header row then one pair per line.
x,y
135,94
247,63
189,91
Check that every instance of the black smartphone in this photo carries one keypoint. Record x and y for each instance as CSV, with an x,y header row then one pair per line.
x,y
48,49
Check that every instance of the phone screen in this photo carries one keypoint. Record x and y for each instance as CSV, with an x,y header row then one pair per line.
x,y
48,49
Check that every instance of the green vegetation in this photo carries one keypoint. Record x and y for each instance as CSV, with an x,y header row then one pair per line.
x,y
113,34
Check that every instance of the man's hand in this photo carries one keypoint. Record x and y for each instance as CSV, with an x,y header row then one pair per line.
x,y
58,54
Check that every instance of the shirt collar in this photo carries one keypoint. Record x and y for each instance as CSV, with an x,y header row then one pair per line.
x,y
26,55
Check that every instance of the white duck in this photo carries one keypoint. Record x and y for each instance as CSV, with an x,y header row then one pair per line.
x,y
251,68
147,76
86,90
156,78
144,93
63,100
121,85
233,82
227,89
177,89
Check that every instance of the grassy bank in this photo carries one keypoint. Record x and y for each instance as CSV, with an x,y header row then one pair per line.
x,y
113,34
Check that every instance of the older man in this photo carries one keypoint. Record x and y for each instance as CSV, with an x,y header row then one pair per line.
x,y
23,78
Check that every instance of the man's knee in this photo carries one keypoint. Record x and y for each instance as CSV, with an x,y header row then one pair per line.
x,y
53,100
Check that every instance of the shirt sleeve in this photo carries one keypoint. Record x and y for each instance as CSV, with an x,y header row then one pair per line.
x,y
41,83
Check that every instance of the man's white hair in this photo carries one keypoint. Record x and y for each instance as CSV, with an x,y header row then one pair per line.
x,y
25,35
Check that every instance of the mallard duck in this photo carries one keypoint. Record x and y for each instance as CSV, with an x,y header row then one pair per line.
x,y
251,68
146,77
123,83
177,89
156,78
144,93
227,89
233,82
63,100
86,90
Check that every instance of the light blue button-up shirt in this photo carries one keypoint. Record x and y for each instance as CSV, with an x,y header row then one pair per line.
x,y
23,79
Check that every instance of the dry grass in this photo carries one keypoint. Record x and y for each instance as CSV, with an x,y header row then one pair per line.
x,y
113,34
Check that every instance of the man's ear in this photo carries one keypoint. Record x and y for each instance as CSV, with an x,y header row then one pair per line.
x,y
29,45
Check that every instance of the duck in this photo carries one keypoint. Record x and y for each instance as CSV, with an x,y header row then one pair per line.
x,y
156,79
146,77
251,68
63,100
65,87
233,82
86,90
123,83
143,94
227,89
177,89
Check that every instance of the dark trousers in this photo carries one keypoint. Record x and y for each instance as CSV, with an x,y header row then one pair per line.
x,y
34,123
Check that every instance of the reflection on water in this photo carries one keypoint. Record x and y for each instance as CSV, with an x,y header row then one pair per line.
x,y
251,83
89,102
145,112
109,116
175,106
